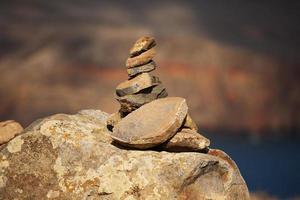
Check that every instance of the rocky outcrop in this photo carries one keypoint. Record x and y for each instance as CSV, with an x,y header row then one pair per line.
x,y
73,157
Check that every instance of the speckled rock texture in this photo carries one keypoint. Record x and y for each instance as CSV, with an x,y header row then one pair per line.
x,y
72,157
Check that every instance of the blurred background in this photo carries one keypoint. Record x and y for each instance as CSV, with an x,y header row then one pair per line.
x,y
236,62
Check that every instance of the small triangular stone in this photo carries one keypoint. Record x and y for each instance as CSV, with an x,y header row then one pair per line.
x,y
189,123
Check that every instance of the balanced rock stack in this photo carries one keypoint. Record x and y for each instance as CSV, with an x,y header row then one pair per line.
x,y
146,119
141,87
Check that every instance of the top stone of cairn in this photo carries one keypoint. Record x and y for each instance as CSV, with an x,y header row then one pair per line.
x,y
141,45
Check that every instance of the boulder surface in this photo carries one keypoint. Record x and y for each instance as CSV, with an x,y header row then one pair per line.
x,y
73,157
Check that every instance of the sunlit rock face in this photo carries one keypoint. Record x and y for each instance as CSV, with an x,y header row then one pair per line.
x,y
73,157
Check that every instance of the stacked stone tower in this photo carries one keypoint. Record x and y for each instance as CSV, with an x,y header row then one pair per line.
x,y
146,119
141,87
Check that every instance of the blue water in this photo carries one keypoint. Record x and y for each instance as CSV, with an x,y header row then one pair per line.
x,y
267,164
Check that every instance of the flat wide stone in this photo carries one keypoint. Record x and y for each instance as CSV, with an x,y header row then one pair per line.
x,y
187,140
151,124
141,69
141,45
136,84
130,103
141,59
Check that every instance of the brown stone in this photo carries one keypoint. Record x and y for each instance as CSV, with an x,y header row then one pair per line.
x,y
8,130
141,45
151,124
136,84
187,140
133,102
189,123
141,59
140,69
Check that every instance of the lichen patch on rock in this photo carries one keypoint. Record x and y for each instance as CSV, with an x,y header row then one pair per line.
x,y
52,194
3,180
15,145
70,132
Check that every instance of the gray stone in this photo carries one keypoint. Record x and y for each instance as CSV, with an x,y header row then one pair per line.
x,y
130,103
141,69
136,84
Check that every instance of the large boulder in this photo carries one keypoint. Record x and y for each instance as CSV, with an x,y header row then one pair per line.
x,y
73,157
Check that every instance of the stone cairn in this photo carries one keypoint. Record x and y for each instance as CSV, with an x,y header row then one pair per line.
x,y
147,117
141,87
